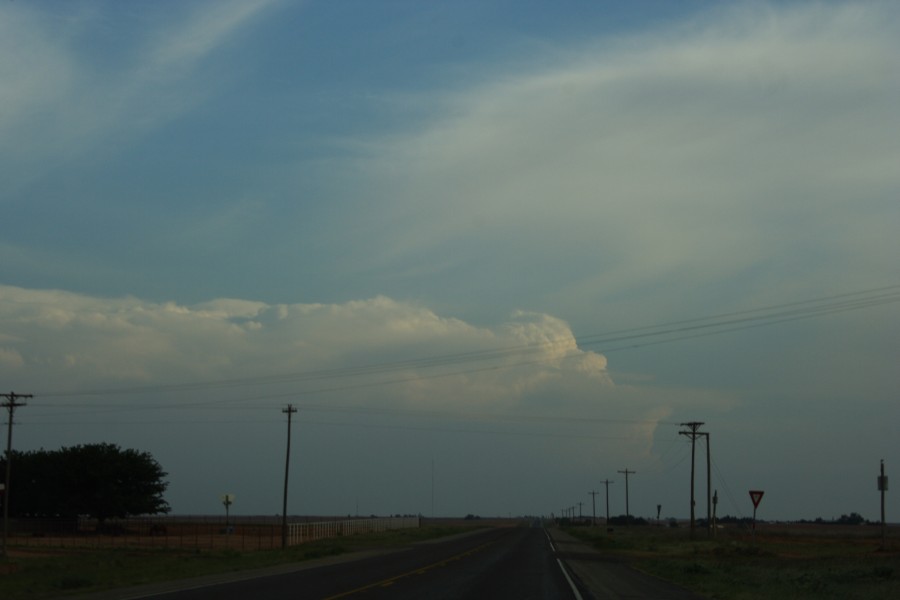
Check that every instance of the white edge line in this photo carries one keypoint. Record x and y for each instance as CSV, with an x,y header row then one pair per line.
x,y
562,568
569,579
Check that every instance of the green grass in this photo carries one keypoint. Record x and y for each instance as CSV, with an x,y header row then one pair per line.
x,y
795,564
37,573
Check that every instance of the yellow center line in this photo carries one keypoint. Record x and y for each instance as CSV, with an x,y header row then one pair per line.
x,y
418,571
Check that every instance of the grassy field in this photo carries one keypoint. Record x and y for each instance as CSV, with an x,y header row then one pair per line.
x,y
793,562
31,573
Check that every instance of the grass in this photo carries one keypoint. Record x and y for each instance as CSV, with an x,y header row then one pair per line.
x,y
38,573
795,563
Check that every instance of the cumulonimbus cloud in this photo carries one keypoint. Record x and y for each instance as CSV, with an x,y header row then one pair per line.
x,y
62,341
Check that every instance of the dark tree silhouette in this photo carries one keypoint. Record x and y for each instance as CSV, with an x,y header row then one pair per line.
x,y
97,480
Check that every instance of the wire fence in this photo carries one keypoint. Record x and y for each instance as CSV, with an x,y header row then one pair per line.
x,y
242,533
299,533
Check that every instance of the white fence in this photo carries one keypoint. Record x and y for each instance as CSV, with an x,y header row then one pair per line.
x,y
298,533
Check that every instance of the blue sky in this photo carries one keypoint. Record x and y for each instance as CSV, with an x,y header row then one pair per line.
x,y
210,210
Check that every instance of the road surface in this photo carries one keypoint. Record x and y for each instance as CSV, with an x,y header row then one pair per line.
x,y
513,562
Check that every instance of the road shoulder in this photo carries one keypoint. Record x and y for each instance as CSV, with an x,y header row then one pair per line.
x,y
608,577
162,587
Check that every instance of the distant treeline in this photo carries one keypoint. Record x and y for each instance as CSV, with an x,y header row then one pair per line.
x,y
851,519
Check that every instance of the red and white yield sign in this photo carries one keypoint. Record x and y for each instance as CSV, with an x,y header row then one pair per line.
x,y
756,496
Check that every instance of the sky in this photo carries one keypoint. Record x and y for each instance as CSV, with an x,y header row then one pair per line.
x,y
494,252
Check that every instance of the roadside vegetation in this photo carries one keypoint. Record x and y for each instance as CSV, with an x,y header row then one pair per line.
x,y
38,573
796,562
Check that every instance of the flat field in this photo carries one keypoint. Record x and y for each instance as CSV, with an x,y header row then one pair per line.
x,y
57,570
780,561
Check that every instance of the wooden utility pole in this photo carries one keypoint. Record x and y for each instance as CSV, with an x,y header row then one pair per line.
x,y
607,482
10,405
709,519
593,496
693,426
290,410
715,501
627,513
882,487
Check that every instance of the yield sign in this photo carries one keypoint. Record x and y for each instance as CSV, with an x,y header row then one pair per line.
x,y
756,496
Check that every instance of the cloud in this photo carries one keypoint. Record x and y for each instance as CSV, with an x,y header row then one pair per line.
x,y
11,360
374,371
67,342
58,104
737,142
742,158
380,367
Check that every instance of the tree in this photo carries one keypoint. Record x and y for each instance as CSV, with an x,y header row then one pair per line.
x,y
851,519
97,480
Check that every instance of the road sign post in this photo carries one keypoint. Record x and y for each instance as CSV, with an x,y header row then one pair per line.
x,y
755,496
227,500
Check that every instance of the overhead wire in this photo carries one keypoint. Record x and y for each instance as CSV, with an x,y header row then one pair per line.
x,y
721,478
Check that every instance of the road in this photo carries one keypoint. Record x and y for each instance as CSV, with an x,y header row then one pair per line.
x,y
512,562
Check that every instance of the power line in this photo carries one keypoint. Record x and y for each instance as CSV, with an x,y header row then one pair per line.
x,y
370,425
375,410
876,296
734,503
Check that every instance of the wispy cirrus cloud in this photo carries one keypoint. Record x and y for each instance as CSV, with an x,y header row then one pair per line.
x,y
60,103
735,143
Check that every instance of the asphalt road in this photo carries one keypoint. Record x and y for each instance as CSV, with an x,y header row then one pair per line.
x,y
499,563
495,563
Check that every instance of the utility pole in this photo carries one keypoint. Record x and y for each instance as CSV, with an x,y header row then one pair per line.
x,y
715,504
627,513
290,410
882,487
10,405
693,426
593,496
607,482
709,518
579,509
